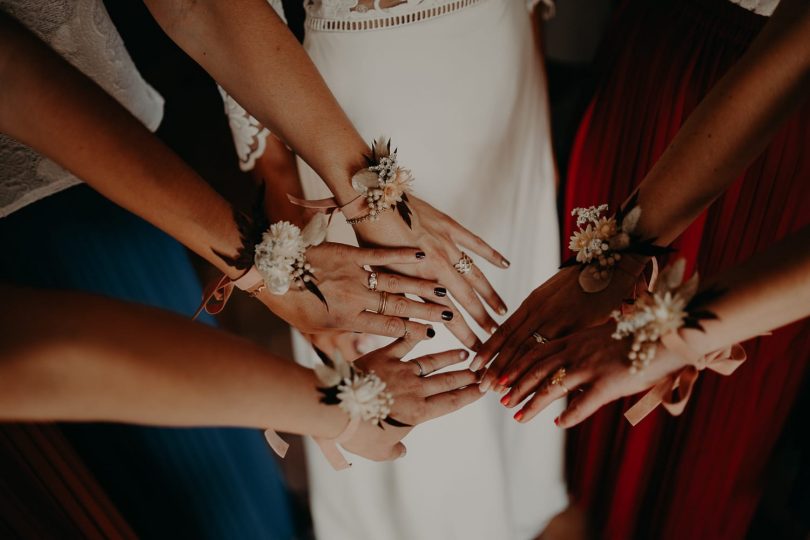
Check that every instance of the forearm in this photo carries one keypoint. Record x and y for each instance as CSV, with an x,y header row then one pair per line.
x,y
52,107
76,357
767,292
277,169
251,53
731,126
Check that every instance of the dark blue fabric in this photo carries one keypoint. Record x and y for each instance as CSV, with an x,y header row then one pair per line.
x,y
168,483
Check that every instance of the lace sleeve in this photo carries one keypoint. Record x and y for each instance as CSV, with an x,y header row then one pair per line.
x,y
546,7
249,136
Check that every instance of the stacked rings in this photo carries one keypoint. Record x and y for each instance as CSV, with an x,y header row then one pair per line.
x,y
372,281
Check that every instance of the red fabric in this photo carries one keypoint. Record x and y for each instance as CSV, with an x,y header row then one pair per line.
x,y
46,492
699,475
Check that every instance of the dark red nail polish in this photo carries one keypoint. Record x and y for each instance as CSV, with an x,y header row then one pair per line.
x,y
518,416
505,399
447,315
503,380
431,332
440,291
557,421
420,254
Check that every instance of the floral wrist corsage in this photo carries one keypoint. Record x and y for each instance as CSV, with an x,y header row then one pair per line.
x,y
671,305
600,244
383,184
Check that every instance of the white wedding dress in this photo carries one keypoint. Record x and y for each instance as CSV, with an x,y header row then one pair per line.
x,y
459,87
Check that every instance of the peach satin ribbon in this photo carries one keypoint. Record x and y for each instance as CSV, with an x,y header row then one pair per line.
x,y
724,362
330,449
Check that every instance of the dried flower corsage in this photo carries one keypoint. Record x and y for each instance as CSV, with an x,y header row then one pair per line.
x,y
361,395
599,245
383,183
672,305
280,257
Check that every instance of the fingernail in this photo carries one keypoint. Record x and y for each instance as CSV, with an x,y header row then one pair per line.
x,y
475,365
505,263
502,310
484,385
447,315
503,380
557,421
518,416
493,329
420,254
404,451
505,399
463,355
431,332
440,291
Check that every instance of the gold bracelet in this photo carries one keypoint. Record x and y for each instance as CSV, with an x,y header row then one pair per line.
x,y
366,217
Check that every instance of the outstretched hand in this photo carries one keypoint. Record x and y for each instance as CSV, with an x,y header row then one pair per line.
x,y
442,239
554,309
597,372
418,395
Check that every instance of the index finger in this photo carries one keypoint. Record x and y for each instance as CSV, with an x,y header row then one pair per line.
x,y
465,238
447,402
387,256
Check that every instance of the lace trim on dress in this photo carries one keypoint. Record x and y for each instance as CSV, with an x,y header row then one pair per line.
x,y
760,7
329,16
249,136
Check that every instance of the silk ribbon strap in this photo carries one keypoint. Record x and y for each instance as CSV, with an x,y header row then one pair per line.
x,y
218,291
723,362
352,209
279,445
329,447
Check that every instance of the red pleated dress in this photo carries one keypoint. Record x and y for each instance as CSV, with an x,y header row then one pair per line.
x,y
699,475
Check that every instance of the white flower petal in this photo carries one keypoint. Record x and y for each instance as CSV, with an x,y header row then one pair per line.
x,y
315,232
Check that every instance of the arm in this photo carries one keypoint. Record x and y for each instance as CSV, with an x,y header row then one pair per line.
x,y
729,128
245,40
110,361
769,291
85,130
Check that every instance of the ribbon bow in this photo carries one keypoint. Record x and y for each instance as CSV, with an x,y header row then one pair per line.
x,y
217,293
723,362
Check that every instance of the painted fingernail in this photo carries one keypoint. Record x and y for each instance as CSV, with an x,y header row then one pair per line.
x,y
505,263
440,291
502,310
493,329
463,355
505,399
518,416
503,380
431,332
557,421
476,364
420,255
447,315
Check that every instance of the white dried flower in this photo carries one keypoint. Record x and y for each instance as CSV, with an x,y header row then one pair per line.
x,y
364,396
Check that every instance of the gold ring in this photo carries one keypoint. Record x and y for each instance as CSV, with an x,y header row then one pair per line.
x,y
559,378
372,281
422,372
383,301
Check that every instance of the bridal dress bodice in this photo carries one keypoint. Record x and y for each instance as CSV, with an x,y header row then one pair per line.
x,y
82,32
760,7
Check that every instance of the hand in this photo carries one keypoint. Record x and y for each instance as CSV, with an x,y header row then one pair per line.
x,y
417,399
348,344
594,363
439,237
555,308
341,278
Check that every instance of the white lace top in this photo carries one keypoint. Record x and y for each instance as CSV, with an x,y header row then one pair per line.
x,y
760,7
81,32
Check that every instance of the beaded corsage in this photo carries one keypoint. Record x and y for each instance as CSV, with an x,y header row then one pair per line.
x,y
598,246
384,184
669,307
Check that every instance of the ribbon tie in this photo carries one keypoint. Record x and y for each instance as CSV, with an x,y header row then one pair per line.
x,y
723,362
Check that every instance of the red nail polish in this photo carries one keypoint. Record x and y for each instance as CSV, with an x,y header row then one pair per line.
x,y
519,416
503,380
557,421
505,399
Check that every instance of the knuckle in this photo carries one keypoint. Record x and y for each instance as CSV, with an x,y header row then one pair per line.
x,y
393,326
393,283
400,306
